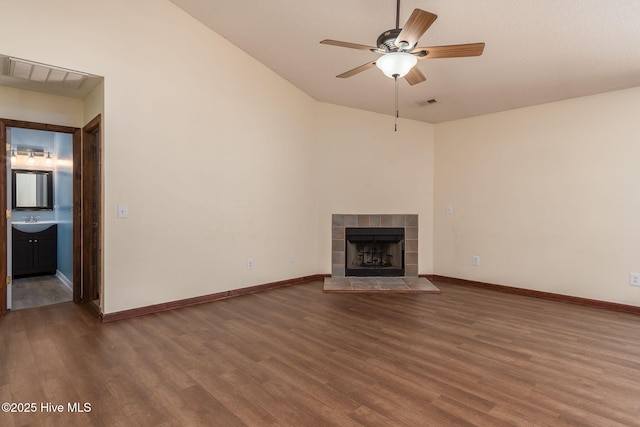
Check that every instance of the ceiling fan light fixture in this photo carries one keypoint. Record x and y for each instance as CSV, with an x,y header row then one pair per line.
x,y
396,64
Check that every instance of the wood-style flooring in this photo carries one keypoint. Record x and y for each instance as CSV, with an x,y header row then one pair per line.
x,y
296,356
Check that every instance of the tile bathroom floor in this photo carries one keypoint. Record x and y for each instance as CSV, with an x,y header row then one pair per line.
x,y
37,291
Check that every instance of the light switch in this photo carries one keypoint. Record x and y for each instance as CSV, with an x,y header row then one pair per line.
x,y
123,211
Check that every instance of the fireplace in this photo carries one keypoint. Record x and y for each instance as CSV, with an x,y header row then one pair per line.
x,y
408,244
374,251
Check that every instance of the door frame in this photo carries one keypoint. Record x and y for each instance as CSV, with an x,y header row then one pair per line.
x,y
90,207
78,218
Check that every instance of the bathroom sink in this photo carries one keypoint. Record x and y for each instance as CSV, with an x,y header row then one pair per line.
x,y
32,227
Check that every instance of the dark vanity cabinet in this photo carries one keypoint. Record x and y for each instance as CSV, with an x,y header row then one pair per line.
x,y
35,253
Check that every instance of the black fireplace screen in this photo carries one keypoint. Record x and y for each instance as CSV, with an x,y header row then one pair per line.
x,y
374,251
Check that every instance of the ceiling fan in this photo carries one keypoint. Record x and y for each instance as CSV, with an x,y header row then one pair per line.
x,y
399,51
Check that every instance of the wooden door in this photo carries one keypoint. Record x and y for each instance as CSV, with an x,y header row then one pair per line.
x,y
91,211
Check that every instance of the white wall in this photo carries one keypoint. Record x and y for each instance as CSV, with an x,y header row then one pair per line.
x,y
364,167
547,196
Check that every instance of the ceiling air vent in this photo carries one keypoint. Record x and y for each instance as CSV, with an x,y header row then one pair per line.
x,y
42,73
426,102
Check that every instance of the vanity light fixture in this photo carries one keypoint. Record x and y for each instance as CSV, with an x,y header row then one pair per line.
x,y
31,155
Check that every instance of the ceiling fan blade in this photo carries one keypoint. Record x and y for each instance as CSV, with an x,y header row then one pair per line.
x,y
349,45
452,51
415,76
357,70
418,23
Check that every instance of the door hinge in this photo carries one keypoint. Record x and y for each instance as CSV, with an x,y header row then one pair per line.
x,y
8,280
8,213
8,146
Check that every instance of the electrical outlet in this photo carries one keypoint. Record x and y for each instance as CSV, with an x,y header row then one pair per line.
x,y
123,211
292,258
634,279
250,264
475,260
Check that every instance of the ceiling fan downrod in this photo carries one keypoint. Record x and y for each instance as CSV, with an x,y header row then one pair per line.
x,y
395,127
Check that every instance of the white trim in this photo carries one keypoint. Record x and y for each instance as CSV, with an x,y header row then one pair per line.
x,y
65,280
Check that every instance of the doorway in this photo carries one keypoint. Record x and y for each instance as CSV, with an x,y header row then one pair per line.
x,y
86,217
40,230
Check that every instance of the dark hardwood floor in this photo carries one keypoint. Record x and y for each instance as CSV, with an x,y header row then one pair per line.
x,y
298,357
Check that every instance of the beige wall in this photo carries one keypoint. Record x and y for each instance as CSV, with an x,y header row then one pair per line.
x,y
544,195
185,106
93,103
364,167
229,124
547,196
37,107
182,106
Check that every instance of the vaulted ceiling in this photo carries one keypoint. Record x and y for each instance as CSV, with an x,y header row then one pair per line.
x,y
536,51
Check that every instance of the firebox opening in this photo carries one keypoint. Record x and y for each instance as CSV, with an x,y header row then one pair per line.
x,y
374,251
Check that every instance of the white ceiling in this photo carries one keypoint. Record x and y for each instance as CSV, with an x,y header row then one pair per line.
x,y
537,51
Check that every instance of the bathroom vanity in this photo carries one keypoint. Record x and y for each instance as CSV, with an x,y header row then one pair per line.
x,y
35,249
34,243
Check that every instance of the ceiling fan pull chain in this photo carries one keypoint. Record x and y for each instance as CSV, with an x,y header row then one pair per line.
x,y
395,128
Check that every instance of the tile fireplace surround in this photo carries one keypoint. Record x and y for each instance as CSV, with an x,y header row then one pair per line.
x,y
340,221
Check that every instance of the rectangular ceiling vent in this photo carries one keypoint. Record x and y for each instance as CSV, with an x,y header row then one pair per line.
x,y
426,102
35,72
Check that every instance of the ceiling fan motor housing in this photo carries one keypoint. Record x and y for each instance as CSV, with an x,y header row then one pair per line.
x,y
386,41
398,48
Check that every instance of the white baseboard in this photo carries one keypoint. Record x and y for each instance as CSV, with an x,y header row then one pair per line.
x,y
65,280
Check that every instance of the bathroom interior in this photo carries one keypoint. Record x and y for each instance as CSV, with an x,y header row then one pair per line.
x,y
40,230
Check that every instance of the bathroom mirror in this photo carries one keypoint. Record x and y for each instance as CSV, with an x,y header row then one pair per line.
x,y
32,190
